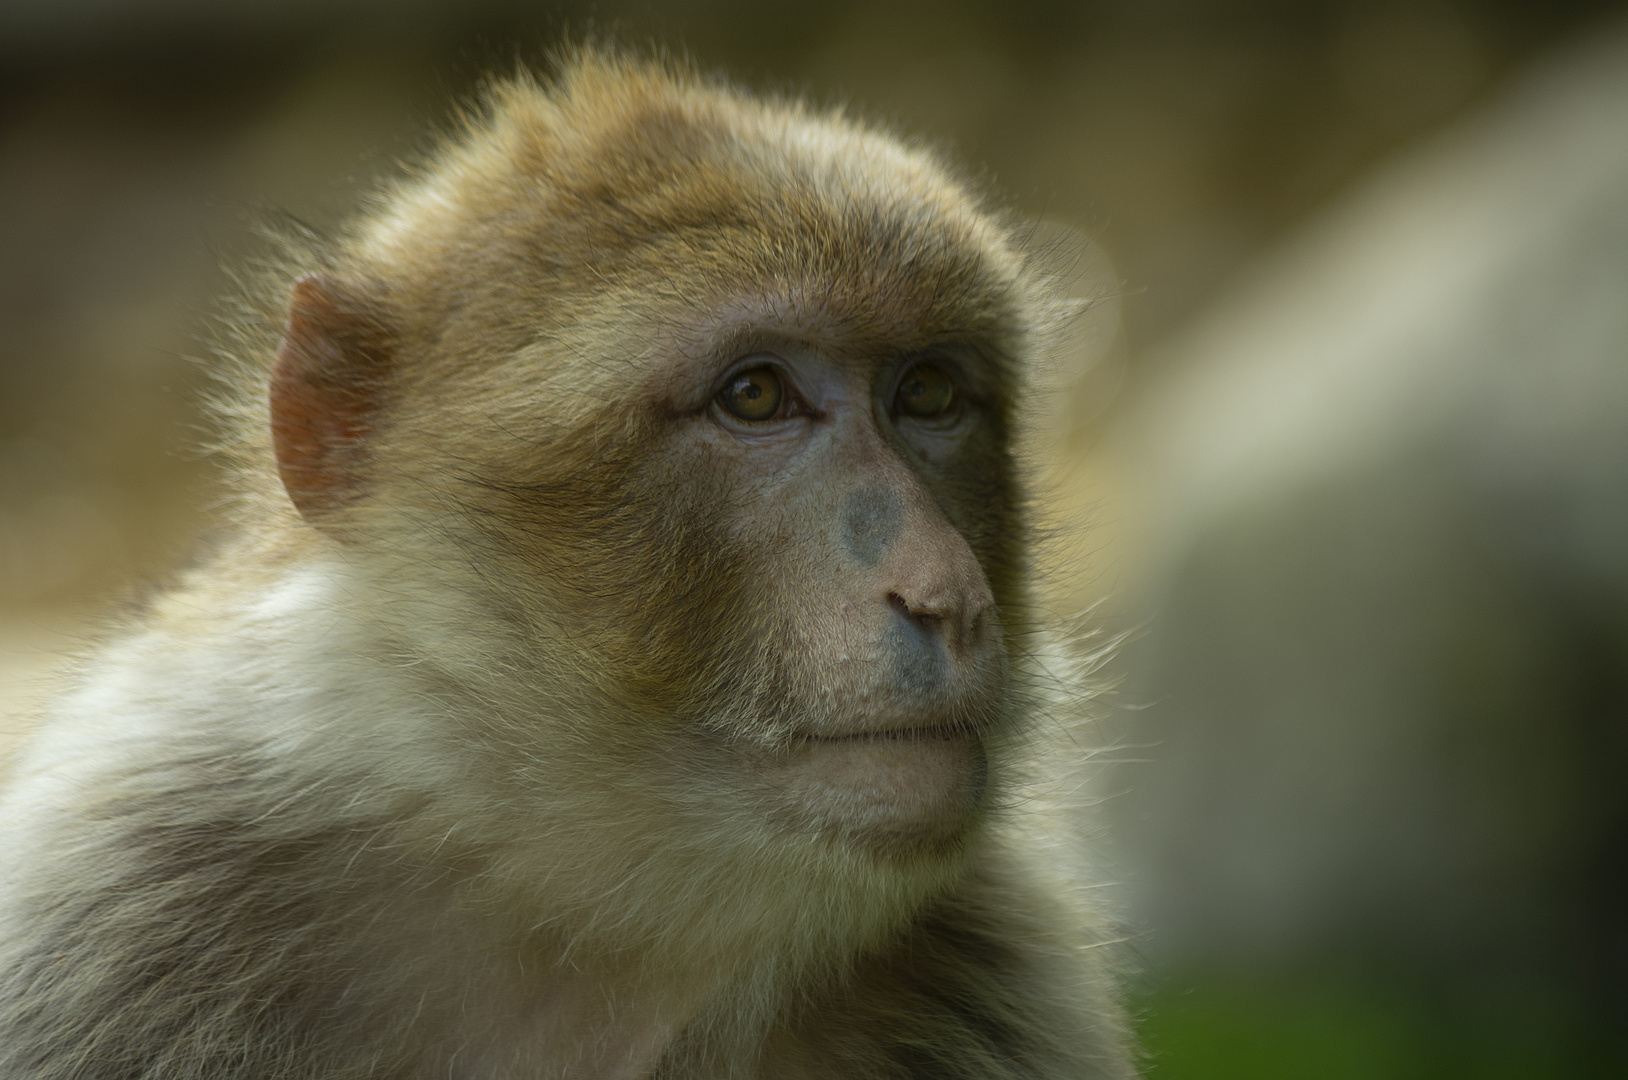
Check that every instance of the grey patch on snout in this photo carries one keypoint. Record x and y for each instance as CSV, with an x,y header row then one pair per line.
x,y
917,655
870,522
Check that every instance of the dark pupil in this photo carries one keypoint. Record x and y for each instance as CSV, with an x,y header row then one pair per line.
x,y
924,392
754,395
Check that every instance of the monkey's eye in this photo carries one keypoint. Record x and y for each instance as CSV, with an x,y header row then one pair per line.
x,y
754,394
925,391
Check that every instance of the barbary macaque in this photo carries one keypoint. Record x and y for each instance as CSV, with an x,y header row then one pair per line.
x,y
625,663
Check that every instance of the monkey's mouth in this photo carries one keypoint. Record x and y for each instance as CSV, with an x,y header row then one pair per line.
x,y
890,784
944,733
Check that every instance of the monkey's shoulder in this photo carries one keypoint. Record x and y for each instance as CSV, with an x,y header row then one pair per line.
x,y
175,902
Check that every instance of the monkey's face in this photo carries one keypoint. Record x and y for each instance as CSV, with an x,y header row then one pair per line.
x,y
773,561
782,556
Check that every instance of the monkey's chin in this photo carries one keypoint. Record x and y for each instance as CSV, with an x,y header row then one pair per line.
x,y
899,791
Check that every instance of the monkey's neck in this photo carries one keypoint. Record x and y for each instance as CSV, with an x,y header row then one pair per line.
x,y
516,1008
631,1015
608,1021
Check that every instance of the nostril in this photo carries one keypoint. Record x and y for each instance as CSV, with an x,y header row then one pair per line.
x,y
927,620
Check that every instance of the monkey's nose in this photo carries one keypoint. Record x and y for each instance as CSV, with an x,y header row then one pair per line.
x,y
957,618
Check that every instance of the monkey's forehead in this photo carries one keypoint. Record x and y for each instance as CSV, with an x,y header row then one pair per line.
x,y
627,177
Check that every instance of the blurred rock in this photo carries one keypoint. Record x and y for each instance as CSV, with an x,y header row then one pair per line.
x,y
1378,532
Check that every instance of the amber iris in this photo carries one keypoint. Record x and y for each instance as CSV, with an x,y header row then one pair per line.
x,y
925,391
754,394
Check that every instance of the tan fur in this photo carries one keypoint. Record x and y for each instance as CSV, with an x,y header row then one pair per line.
x,y
421,778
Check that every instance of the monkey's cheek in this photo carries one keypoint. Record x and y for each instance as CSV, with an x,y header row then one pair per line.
x,y
897,789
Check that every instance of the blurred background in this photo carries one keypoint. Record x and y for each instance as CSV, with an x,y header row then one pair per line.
x,y
1349,420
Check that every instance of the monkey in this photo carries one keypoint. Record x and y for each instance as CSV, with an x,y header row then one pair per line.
x,y
624,660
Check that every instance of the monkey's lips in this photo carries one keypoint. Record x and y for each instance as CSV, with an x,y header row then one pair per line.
x,y
900,784
883,734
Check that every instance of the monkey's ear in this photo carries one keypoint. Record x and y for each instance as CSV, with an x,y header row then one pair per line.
x,y
325,391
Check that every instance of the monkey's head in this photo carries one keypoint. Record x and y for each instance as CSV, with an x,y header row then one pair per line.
x,y
667,433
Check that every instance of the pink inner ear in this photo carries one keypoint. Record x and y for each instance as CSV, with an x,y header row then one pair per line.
x,y
325,388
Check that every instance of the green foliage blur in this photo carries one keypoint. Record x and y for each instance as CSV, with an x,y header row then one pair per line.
x,y
1353,1028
